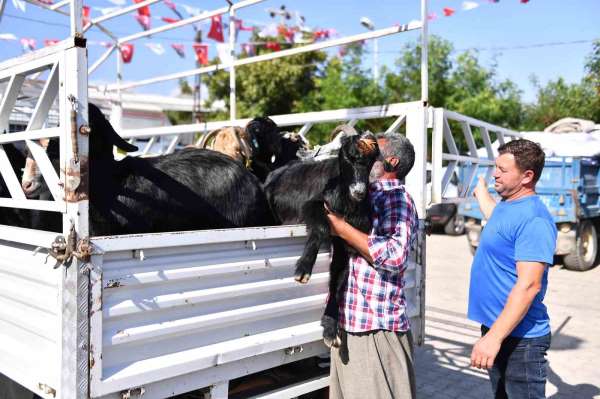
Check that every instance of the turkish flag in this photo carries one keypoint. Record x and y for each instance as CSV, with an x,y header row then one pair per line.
x,y
448,11
170,4
142,10
216,29
28,44
127,52
201,53
169,20
50,42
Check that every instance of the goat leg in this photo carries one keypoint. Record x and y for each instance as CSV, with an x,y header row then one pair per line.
x,y
318,232
338,278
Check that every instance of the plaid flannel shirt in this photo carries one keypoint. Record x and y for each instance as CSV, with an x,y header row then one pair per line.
x,y
374,296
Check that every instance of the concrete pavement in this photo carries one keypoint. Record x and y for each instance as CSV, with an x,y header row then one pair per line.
x,y
442,363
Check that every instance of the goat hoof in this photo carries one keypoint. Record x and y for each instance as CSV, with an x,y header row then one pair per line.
x,y
302,278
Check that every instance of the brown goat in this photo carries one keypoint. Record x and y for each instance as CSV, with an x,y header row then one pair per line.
x,y
232,140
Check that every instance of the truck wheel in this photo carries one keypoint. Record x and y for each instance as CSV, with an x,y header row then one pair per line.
x,y
455,226
586,248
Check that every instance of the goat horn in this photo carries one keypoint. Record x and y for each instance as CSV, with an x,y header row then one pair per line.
x,y
345,128
204,141
367,145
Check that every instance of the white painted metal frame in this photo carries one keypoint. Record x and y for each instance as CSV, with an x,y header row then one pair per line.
x,y
305,120
442,133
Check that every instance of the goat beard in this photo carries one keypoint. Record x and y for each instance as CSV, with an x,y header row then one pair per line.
x,y
377,171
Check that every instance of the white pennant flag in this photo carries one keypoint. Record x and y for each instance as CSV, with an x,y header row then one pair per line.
x,y
224,53
156,48
269,30
191,10
106,10
118,2
19,5
7,36
469,5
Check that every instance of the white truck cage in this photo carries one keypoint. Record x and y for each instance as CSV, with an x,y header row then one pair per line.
x,y
161,314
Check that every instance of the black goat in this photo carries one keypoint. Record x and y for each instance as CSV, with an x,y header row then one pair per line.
x,y
188,190
297,193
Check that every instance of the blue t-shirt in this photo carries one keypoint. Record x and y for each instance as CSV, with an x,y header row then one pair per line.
x,y
518,230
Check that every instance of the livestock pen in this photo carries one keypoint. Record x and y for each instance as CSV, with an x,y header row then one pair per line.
x,y
156,315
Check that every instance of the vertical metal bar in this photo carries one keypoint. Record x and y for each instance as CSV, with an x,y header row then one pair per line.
x,y
74,281
76,17
232,88
2,4
424,54
437,148
416,132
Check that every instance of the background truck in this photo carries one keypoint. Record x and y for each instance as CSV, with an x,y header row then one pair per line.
x,y
570,188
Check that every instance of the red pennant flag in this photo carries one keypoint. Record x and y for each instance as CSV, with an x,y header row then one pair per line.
x,y
144,21
127,52
50,42
448,11
169,20
170,4
524,1
273,46
216,29
142,10
179,49
239,25
201,53
432,16
48,2
85,16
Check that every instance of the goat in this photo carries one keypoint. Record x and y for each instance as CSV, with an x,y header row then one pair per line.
x,y
341,184
190,189
260,146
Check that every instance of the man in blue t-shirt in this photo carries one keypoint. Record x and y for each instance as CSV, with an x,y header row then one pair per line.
x,y
509,276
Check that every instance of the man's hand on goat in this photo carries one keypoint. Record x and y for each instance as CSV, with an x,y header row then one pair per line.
x,y
336,222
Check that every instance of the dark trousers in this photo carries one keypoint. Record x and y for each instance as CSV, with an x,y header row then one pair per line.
x,y
520,368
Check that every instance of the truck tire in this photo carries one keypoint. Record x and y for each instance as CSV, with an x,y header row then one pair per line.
x,y
586,248
455,226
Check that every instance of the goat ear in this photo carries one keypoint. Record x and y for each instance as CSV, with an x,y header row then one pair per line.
x,y
99,122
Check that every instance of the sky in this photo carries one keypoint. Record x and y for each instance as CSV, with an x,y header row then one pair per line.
x,y
545,38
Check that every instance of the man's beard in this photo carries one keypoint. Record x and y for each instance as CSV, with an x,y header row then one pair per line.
x,y
376,171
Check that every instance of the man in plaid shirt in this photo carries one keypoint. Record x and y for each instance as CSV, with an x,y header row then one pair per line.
x,y
375,359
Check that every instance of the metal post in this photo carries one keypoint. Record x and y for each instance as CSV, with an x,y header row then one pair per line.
x,y
232,94
376,60
74,282
2,4
424,54
116,112
76,17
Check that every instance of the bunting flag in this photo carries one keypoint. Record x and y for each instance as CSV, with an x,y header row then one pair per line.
x,y
28,44
106,10
170,4
248,49
201,53
156,48
432,17
7,36
179,49
50,42
469,5
85,16
193,11
286,32
524,1
268,31
169,20
216,29
106,44
19,5
448,11
274,46
224,53
47,2
127,52
144,21
145,10
239,25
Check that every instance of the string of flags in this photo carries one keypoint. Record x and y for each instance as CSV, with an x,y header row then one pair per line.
x,y
298,34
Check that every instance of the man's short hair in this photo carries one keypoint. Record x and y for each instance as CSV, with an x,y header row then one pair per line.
x,y
399,147
528,156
